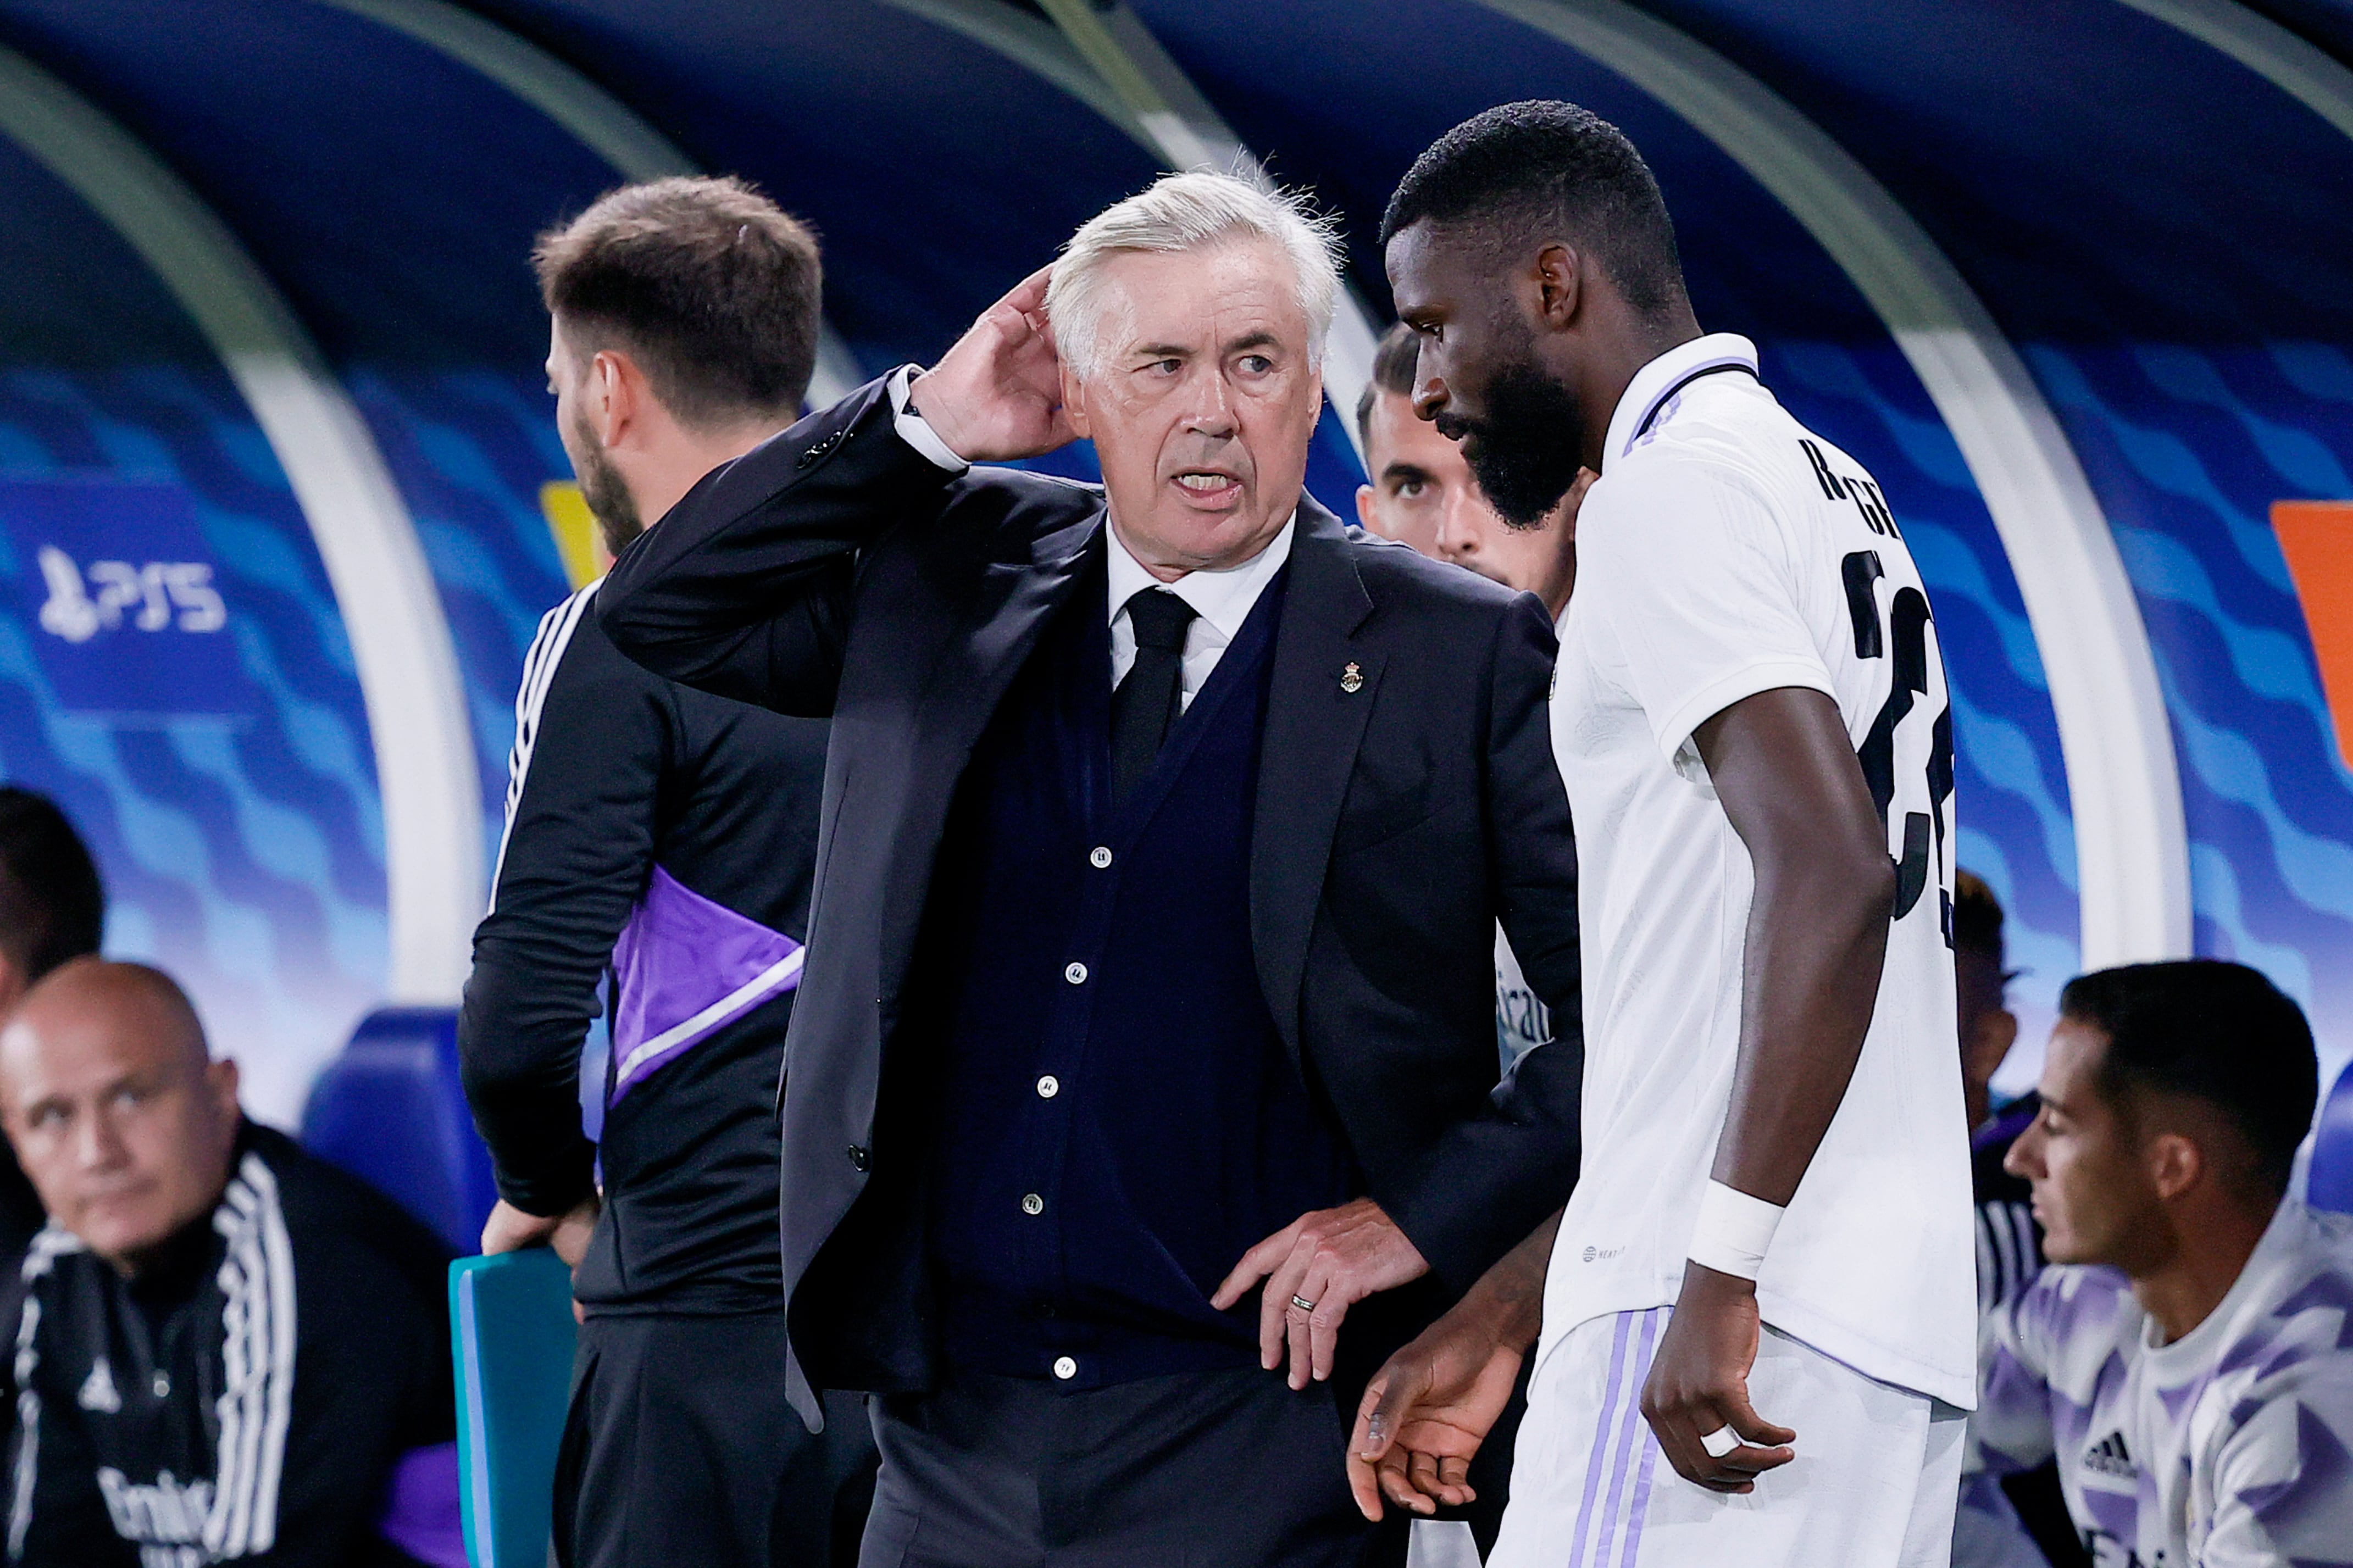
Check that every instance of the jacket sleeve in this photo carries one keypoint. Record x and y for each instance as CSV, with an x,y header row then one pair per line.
x,y
1493,1178
744,588
586,768
57,1517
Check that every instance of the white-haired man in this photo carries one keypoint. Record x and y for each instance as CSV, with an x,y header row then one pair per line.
x,y
1145,1034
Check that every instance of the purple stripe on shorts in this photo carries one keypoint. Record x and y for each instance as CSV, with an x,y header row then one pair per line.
x,y
686,967
1627,1424
1600,1439
1653,1321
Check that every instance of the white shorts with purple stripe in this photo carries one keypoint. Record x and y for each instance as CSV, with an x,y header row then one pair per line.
x,y
1874,1484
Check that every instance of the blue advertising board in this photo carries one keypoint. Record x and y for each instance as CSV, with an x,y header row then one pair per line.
x,y
126,600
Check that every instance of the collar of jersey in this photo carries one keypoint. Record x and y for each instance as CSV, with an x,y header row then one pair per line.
x,y
1657,381
2288,1233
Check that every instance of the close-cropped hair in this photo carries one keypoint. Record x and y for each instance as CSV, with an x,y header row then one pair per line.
x,y
1184,212
1522,174
1395,364
52,905
1976,917
709,286
2213,1031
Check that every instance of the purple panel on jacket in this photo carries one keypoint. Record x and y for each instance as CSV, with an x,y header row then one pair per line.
x,y
685,968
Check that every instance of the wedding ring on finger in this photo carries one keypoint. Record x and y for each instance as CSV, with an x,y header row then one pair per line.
x,y
1302,1303
1720,1442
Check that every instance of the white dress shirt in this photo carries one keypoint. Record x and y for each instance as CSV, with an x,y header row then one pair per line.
x,y
1222,599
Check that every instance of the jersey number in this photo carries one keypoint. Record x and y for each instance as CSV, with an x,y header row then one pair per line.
x,y
1907,632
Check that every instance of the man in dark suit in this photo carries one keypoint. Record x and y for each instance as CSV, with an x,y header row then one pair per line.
x,y
1165,825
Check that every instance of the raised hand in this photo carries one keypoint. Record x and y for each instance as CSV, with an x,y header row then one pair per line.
x,y
998,393
1426,1411
1699,1385
1329,1259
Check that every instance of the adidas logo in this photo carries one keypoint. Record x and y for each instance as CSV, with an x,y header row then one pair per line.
x,y
2108,1457
97,1390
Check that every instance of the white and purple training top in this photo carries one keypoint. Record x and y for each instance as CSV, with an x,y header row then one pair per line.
x,y
2230,1447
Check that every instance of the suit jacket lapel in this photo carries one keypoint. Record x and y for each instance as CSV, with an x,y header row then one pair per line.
x,y
993,627
1307,752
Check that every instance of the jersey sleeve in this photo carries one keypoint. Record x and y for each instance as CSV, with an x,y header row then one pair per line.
x,y
1694,577
2010,1428
56,1516
592,737
2282,1469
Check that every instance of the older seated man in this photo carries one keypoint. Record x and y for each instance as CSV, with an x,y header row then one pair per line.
x,y
224,1350
1146,1033
2186,1358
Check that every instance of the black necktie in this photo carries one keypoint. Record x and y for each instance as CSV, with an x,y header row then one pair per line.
x,y
1145,704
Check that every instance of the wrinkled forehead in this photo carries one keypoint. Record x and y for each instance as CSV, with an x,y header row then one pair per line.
x,y
1206,299
51,1053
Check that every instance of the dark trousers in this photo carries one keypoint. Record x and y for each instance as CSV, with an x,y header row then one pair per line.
x,y
1222,1470
680,1449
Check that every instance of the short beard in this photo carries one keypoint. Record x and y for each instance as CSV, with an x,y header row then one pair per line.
x,y
1524,453
601,486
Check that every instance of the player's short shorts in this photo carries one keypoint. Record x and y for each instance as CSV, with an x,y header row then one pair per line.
x,y
1874,1484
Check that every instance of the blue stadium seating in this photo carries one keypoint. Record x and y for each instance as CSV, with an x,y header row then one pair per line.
x,y
390,1110
2330,1182
512,1338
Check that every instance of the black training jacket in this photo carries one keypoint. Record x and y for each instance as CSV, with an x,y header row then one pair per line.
x,y
664,836
273,1387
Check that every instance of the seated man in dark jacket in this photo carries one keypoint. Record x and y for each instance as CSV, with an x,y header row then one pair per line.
x,y
1146,1043
224,1350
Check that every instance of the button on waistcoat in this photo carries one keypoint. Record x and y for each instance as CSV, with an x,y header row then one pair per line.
x,y
1118,1119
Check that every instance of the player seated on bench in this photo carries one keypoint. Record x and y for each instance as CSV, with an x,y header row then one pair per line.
x,y
2188,1357
223,1348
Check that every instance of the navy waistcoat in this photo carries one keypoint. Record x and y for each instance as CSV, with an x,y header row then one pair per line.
x,y
1118,1119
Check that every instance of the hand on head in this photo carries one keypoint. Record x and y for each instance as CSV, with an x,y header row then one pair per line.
x,y
1182,333
998,394
118,1115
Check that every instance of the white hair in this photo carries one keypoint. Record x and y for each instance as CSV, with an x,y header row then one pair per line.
x,y
1191,212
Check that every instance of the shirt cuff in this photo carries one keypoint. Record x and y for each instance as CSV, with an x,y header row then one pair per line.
x,y
914,429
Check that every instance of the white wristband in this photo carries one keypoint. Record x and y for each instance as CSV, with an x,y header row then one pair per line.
x,y
1735,1231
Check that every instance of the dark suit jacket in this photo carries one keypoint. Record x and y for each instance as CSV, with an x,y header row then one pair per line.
x,y
836,572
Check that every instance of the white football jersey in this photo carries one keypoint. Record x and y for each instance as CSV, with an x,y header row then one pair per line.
x,y
2226,1448
1727,550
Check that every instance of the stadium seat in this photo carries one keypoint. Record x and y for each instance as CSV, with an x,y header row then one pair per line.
x,y
390,1110
2329,1183
512,1336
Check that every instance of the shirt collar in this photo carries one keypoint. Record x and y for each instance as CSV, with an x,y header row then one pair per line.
x,y
1644,406
1223,597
